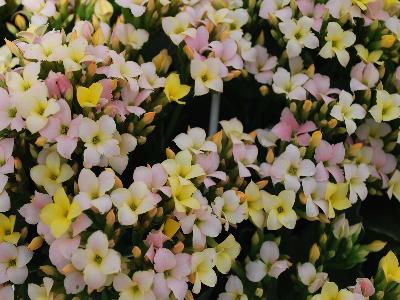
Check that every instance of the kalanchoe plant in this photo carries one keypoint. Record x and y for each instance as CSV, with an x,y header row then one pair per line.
x,y
110,187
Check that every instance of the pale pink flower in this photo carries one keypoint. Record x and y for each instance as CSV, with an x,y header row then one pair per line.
x,y
201,222
356,175
154,177
13,262
363,287
268,264
275,8
154,240
127,143
245,156
41,9
319,87
137,7
328,157
97,261
58,86
229,210
63,130
61,250
178,27
315,11
310,277
132,97
209,162
363,76
289,167
383,164
227,52
43,47
93,190
172,271
288,127
263,65
199,42
7,292
74,282
234,290
31,211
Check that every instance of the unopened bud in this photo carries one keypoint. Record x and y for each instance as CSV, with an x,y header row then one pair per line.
x,y
98,37
259,292
162,61
376,246
310,71
20,22
110,218
136,252
36,243
387,40
178,248
316,138
270,156
141,140
332,123
48,270
307,105
293,107
40,141
314,253
68,269
264,90
262,184
17,163
170,154
188,51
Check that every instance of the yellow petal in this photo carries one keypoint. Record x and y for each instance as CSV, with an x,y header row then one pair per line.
x,y
89,97
74,210
171,227
61,199
59,227
51,212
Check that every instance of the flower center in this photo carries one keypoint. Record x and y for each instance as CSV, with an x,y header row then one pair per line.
x,y
12,263
98,259
280,209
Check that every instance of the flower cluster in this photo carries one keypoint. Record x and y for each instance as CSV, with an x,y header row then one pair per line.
x,y
83,84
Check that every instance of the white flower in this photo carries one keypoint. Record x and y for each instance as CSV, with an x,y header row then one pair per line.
x,y
74,54
314,193
289,167
394,185
308,276
127,143
121,68
13,262
97,261
393,24
7,61
268,264
346,111
129,35
45,48
138,287
195,141
98,139
27,83
337,40
387,107
234,290
291,86
92,190
132,202
207,75
149,79
202,267
356,175
298,35
5,203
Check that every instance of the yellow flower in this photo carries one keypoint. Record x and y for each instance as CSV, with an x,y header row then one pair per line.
x,y
7,233
103,10
369,57
174,90
59,215
363,3
254,199
394,185
387,107
89,97
390,267
227,251
336,195
183,194
182,167
280,210
330,291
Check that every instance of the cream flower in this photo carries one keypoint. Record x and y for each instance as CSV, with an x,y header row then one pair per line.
x,y
132,202
308,276
202,267
51,173
337,40
178,27
207,75
280,210
255,202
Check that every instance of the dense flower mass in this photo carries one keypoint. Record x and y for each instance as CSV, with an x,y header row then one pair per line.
x,y
242,213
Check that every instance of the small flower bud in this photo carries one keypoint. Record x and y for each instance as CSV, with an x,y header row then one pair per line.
x,y
314,253
264,90
36,243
